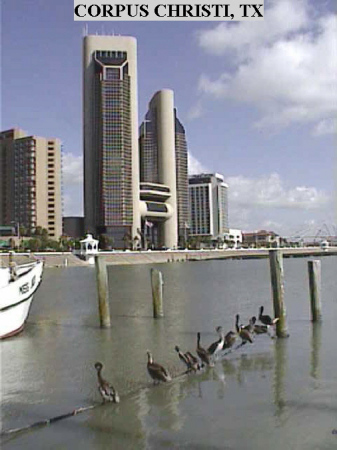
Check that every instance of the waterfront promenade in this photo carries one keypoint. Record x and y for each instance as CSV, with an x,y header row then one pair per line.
x,y
62,259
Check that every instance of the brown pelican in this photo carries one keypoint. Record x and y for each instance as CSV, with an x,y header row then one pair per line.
x,y
216,347
203,354
195,365
156,371
230,339
183,357
244,334
107,391
259,329
266,320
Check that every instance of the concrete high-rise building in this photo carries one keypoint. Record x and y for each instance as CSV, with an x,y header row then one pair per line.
x,y
7,140
33,182
111,157
208,205
163,163
73,226
182,181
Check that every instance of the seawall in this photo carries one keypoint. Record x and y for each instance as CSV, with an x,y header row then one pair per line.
x,y
67,259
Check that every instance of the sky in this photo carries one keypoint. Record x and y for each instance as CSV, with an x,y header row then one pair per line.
x,y
258,100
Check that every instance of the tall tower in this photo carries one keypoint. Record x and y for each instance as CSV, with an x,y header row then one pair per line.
x,y
182,181
7,140
208,205
158,168
163,160
110,119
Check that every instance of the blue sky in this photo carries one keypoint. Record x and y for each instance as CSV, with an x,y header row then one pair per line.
x,y
258,100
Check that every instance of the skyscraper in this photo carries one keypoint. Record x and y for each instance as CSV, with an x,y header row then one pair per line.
x,y
208,205
33,182
182,180
163,161
111,157
7,140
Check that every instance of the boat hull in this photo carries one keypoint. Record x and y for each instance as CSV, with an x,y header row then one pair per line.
x,y
16,299
12,320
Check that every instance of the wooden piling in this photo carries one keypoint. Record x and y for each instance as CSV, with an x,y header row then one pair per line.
x,y
102,292
314,270
157,293
277,284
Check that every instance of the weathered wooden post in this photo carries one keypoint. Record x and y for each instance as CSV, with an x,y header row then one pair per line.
x,y
280,372
102,291
277,284
157,293
316,343
314,270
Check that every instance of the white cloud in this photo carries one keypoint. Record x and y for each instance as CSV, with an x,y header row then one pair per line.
x,y
72,173
283,66
270,192
72,170
72,203
195,166
196,111
327,126
268,203
282,18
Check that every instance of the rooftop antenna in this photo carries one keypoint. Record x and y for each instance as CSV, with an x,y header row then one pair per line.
x,y
85,31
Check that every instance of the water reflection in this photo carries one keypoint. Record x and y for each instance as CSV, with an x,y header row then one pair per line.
x,y
280,355
316,343
159,407
48,369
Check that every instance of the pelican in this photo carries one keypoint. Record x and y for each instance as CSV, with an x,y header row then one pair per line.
x,y
216,347
250,326
259,329
266,320
183,357
156,371
203,354
107,391
230,339
244,334
195,365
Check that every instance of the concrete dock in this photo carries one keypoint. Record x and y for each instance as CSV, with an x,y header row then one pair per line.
x,y
68,259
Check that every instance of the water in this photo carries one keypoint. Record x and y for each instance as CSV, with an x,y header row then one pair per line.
x,y
274,393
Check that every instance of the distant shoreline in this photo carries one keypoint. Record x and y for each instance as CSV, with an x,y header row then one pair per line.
x,y
68,259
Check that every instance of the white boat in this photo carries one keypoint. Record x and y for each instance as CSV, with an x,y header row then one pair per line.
x,y
17,287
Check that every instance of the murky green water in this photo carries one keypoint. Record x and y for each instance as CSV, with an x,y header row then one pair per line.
x,y
272,394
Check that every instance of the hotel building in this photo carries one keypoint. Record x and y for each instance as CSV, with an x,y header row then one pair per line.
x,y
208,195
182,181
7,139
163,173
31,194
111,157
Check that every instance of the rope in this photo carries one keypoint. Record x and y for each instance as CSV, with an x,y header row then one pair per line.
x,y
76,411
45,422
80,410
